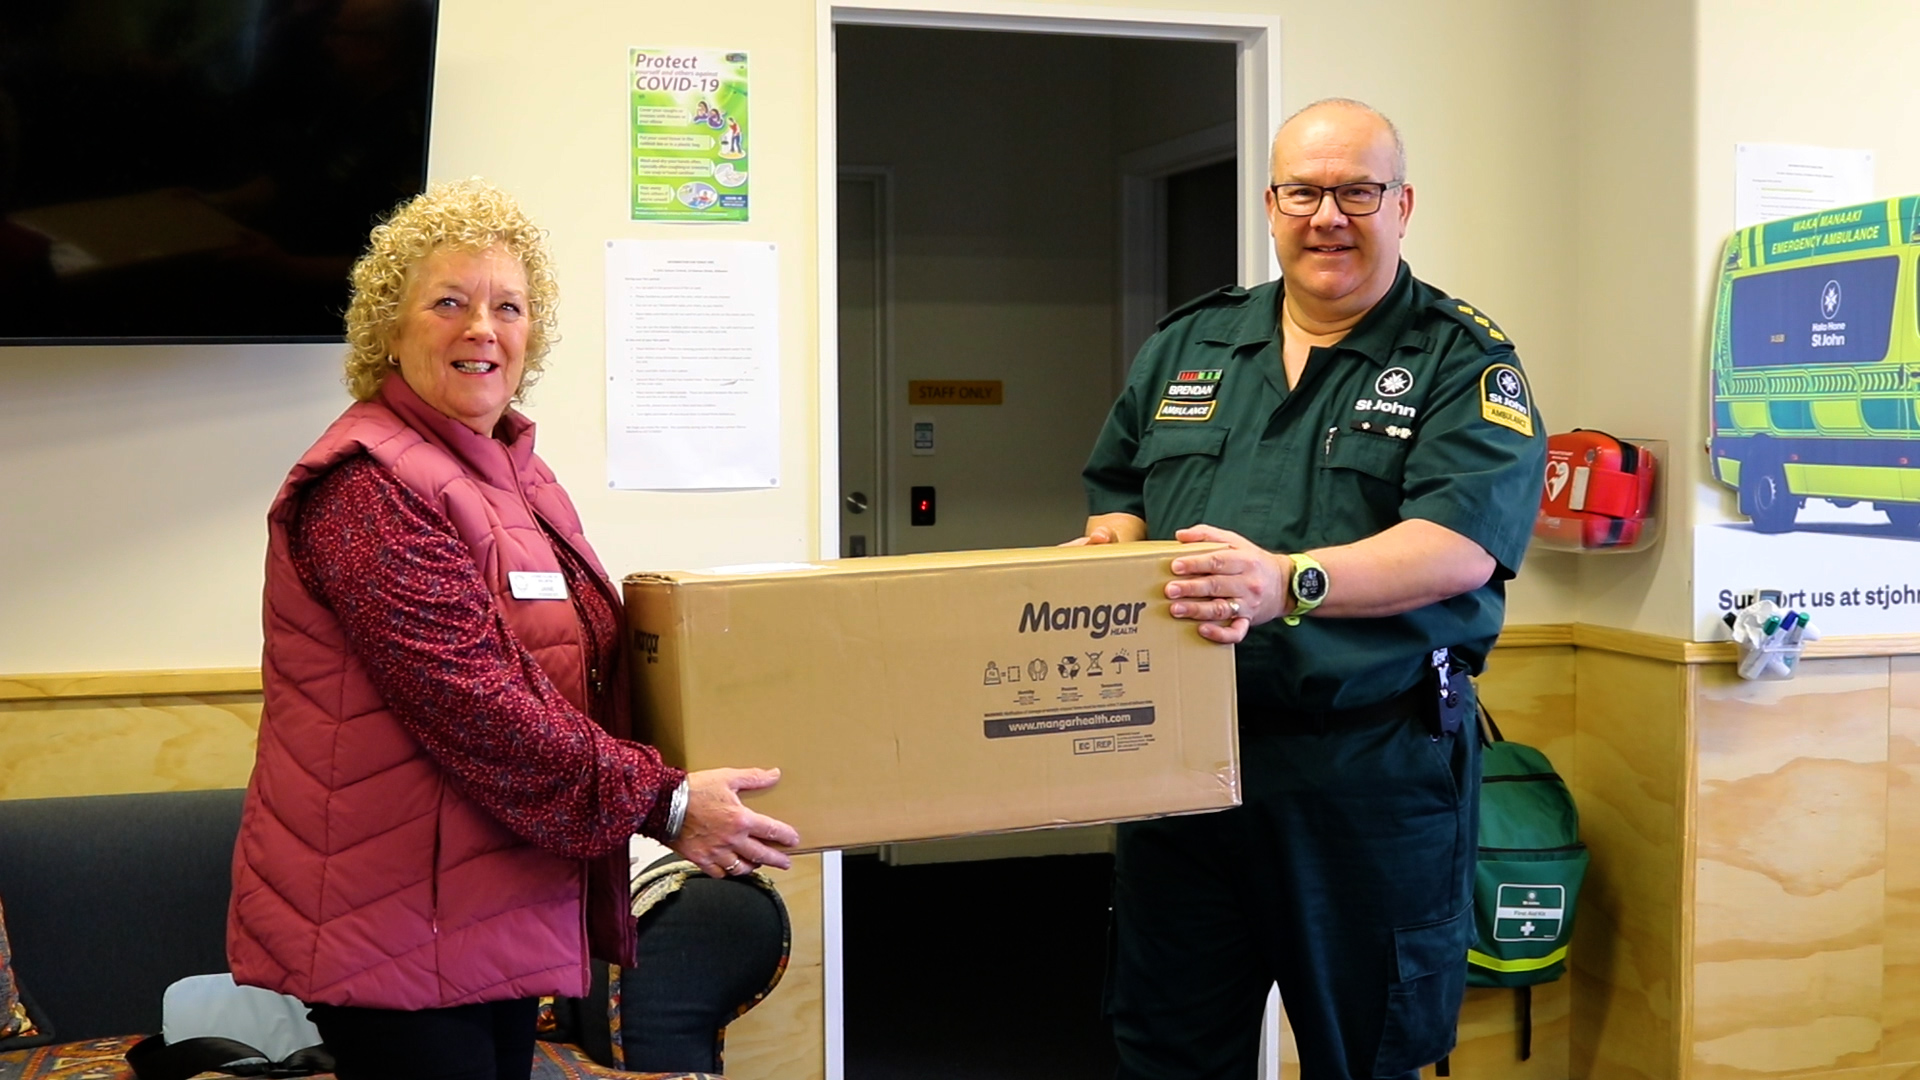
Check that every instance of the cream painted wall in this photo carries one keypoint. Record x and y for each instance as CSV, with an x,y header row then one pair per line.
x,y
133,498
1638,355
1854,100
136,477
1664,92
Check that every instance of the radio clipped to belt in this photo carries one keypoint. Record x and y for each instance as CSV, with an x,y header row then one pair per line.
x,y
1449,677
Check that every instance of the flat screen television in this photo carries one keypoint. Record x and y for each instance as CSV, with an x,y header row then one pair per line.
x,y
201,170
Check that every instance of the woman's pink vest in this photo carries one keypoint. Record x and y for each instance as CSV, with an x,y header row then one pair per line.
x,y
362,876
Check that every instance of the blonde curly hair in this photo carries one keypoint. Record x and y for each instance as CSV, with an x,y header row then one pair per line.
x,y
465,215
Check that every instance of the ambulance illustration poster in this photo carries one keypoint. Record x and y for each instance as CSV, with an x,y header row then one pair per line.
x,y
690,135
1814,390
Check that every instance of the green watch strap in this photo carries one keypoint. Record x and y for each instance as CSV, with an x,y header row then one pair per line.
x,y
1307,587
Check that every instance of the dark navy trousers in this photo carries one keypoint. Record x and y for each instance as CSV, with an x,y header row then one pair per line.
x,y
1346,876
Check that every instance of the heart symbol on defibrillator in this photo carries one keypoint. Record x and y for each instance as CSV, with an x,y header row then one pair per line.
x,y
1557,473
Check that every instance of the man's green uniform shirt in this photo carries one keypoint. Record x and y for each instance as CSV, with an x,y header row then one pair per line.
x,y
1421,411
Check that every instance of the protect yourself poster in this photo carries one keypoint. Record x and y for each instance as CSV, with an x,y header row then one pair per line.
x,y
690,137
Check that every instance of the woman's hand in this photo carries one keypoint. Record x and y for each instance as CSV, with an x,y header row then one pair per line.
x,y
720,835
1119,528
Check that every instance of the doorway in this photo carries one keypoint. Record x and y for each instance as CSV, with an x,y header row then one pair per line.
x,y
980,224
971,171
980,245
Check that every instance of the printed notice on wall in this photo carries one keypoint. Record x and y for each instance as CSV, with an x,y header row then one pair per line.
x,y
689,121
693,365
1774,182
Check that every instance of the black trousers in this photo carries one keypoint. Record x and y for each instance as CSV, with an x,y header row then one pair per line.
x,y
489,1041
1346,876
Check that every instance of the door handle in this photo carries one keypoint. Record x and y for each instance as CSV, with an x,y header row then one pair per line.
x,y
856,502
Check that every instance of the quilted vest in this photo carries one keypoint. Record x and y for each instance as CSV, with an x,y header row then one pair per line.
x,y
362,876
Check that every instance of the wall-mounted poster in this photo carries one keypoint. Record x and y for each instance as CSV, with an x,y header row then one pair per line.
x,y
1815,423
690,139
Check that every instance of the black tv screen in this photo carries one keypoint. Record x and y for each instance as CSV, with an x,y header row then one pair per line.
x,y
201,170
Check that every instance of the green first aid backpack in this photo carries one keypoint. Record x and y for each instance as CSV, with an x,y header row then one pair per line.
x,y
1531,866
1528,880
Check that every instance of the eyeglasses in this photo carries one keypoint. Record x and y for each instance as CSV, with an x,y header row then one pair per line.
x,y
1354,200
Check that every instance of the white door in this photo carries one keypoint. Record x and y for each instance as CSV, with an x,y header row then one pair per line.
x,y
864,321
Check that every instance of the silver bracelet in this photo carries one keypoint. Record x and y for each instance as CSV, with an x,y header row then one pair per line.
x,y
677,812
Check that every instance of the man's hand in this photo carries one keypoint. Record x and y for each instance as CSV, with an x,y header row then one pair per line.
x,y
1228,592
1411,565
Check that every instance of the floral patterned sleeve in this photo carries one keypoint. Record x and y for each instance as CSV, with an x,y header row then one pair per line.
x,y
418,614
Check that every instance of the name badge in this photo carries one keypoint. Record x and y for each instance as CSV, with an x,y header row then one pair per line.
x,y
537,585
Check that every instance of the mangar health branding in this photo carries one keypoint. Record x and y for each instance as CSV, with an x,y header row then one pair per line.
x,y
688,111
1098,621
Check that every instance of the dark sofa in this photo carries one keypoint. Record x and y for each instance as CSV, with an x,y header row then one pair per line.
x,y
111,898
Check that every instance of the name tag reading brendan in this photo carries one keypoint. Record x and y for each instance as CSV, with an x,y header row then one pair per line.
x,y
537,585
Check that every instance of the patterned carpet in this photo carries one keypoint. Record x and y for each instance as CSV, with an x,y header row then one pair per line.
x,y
105,1059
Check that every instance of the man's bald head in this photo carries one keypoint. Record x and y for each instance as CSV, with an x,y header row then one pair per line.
x,y
1337,262
1357,111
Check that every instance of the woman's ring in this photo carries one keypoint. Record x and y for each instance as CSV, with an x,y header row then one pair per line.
x,y
1233,605
730,867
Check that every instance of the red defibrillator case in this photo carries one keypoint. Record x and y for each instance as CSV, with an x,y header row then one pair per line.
x,y
1599,491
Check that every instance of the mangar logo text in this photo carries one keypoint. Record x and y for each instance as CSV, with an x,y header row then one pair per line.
x,y
1100,621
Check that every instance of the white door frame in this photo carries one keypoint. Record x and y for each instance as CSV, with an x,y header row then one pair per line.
x,y
1257,108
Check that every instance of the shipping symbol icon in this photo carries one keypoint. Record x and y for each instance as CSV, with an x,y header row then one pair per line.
x,y
996,674
1093,665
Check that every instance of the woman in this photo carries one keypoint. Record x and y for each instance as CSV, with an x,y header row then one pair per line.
x,y
435,833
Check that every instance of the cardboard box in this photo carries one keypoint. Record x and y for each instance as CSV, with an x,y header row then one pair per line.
x,y
921,696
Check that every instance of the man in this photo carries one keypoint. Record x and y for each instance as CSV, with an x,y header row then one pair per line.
x,y
1366,447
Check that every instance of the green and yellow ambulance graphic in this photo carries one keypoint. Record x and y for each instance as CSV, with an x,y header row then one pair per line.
x,y
1816,364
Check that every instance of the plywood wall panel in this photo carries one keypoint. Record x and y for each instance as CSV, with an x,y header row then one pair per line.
x,y
1630,776
1791,824
114,746
1530,693
1489,1045
1900,1007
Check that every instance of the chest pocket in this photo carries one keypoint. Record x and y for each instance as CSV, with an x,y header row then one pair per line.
x,y
1359,485
1179,463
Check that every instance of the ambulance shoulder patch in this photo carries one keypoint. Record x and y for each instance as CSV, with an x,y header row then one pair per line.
x,y
1477,323
1504,399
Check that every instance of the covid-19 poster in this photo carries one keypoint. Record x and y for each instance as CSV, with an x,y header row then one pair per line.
x,y
689,120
